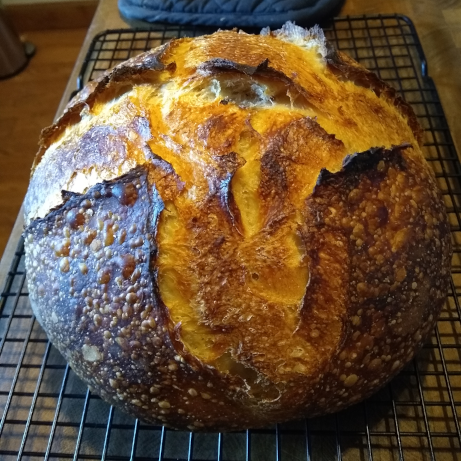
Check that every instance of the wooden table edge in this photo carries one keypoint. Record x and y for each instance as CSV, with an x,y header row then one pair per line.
x,y
10,250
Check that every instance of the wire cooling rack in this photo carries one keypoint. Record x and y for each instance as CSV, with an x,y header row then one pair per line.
x,y
48,413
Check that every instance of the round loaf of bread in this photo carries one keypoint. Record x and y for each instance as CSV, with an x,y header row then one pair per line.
x,y
235,230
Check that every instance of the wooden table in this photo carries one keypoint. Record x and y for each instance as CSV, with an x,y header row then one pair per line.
x,y
438,23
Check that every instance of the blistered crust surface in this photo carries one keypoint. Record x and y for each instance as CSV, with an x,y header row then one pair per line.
x,y
330,88
94,290
209,251
95,294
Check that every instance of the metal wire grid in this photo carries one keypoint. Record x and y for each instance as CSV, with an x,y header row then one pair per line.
x,y
47,413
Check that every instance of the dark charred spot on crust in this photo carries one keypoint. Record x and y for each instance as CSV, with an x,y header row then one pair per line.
x,y
225,64
362,162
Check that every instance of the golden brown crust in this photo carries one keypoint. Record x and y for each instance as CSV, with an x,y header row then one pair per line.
x,y
114,144
344,66
120,339
247,54
133,70
207,249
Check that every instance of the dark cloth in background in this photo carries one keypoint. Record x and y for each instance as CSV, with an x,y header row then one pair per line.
x,y
230,13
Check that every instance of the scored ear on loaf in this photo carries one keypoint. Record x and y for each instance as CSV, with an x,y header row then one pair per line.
x,y
235,230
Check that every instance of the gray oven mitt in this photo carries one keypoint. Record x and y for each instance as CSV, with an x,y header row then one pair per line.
x,y
230,13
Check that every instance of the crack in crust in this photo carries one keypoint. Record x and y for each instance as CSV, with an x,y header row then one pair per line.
x,y
345,67
133,70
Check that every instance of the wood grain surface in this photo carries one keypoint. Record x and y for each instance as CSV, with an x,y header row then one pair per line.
x,y
60,15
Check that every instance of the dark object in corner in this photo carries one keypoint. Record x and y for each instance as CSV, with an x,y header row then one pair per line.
x,y
230,13
14,54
